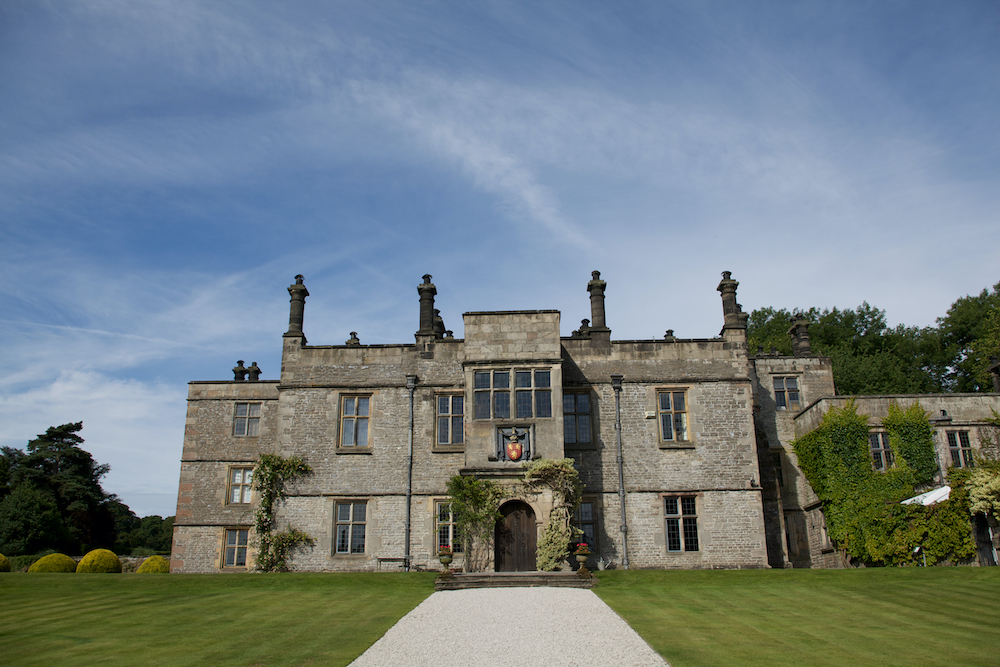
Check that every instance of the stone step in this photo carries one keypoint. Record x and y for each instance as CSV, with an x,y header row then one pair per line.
x,y
467,580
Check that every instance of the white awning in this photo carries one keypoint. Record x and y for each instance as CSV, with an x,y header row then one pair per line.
x,y
931,497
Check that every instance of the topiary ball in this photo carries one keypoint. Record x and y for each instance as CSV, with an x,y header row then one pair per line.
x,y
53,563
4,564
154,565
100,560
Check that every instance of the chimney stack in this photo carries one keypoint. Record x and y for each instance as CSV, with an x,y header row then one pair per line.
x,y
734,317
597,321
799,332
427,290
298,294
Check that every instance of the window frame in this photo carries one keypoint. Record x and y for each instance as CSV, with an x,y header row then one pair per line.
x,y
960,443
365,448
351,522
500,396
673,442
782,396
682,519
577,417
577,521
454,537
245,487
454,420
249,419
880,451
237,547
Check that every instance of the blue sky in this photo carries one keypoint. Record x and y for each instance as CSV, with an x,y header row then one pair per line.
x,y
168,167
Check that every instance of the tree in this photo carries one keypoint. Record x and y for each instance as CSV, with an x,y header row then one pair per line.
x,y
868,357
57,468
30,521
970,332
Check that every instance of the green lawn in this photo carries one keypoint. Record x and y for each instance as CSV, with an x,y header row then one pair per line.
x,y
211,619
909,617
902,616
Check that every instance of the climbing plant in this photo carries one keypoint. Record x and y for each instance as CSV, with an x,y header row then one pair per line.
x,y
269,477
475,507
983,481
862,507
564,481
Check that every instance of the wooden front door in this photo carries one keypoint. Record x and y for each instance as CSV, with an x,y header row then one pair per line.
x,y
515,538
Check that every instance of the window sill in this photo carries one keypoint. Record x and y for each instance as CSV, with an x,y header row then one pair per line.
x,y
448,449
353,450
679,445
577,447
350,556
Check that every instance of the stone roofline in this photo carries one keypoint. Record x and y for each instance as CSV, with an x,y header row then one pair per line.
x,y
844,397
510,312
242,383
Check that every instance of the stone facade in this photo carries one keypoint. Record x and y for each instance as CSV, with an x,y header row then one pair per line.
x,y
702,456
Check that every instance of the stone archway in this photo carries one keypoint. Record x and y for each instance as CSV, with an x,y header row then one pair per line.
x,y
516,536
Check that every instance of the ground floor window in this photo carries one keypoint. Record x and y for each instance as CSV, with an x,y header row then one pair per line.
x,y
447,531
681,515
351,521
237,540
584,518
961,449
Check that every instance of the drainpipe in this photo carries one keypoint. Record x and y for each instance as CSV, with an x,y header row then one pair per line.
x,y
411,384
616,384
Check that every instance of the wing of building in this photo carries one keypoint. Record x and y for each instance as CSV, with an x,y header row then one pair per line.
x,y
683,445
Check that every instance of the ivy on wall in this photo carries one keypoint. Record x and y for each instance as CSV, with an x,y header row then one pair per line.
x,y
563,479
269,477
475,506
862,507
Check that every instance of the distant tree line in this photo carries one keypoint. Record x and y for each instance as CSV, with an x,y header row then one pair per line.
x,y
51,498
869,357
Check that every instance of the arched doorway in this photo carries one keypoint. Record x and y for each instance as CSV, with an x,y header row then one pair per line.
x,y
516,537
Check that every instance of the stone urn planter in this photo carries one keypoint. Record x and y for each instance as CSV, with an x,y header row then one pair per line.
x,y
445,559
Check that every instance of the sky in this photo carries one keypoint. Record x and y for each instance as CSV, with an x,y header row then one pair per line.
x,y
168,167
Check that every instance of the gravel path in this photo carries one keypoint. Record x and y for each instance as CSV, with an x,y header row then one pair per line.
x,y
547,627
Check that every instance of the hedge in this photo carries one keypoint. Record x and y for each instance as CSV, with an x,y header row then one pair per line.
x,y
53,563
100,561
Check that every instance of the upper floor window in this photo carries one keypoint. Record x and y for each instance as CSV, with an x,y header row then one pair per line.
x,y
247,419
878,443
576,419
786,394
681,515
961,449
532,394
240,483
672,409
354,421
450,416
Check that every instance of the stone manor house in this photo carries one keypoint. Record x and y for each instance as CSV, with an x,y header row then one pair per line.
x,y
682,444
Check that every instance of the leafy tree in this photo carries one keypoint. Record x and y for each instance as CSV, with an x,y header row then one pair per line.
x,y
868,357
57,468
30,521
970,332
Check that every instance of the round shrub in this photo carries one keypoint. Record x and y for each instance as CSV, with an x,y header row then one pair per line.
x,y
53,563
4,564
154,565
100,560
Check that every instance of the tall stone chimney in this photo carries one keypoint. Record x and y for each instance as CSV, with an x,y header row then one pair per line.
x,y
800,337
427,290
298,294
734,317
598,326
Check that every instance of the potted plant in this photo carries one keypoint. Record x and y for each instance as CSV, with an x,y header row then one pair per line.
x,y
445,555
582,552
